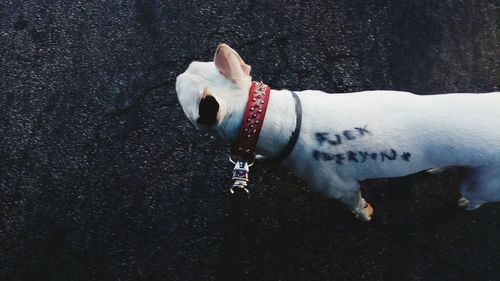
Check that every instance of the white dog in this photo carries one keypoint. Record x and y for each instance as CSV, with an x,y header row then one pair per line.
x,y
346,138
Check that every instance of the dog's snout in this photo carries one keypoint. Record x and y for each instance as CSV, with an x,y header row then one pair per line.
x,y
208,109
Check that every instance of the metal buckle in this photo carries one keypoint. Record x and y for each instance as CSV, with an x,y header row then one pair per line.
x,y
240,175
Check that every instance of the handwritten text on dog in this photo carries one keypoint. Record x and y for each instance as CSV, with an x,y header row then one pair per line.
x,y
337,139
361,156
354,156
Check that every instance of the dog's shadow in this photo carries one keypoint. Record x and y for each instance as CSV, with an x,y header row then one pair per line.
x,y
413,216
402,205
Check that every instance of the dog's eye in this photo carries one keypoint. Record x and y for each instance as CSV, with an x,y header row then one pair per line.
x,y
208,109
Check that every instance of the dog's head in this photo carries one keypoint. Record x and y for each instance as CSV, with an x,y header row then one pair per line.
x,y
211,92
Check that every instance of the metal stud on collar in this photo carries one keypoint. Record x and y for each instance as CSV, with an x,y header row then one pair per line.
x,y
246,141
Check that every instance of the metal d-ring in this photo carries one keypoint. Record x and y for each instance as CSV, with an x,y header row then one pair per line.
x,y
234,161
231,189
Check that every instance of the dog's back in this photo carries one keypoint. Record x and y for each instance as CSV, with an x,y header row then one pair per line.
x,y
462,127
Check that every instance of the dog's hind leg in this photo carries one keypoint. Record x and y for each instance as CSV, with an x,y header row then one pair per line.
x,y
482,185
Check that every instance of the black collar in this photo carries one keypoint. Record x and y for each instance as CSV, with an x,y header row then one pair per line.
x,y
295,134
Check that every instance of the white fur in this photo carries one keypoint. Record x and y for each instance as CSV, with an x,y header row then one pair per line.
x,y
438,131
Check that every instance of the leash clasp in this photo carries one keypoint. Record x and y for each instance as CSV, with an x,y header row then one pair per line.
x,y
240,175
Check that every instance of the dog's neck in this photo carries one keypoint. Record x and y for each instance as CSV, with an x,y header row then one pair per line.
x,y
278,125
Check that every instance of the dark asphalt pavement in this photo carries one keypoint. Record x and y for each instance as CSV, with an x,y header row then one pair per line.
x,y
103,178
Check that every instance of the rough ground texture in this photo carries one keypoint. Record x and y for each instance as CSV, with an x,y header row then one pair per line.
x,y
102,177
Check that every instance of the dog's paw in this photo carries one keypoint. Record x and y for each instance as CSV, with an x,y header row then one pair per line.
x,y
260,158
463,202
436,170
467,204
366,213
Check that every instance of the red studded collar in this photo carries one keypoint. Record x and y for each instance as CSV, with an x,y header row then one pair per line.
x,y
258,100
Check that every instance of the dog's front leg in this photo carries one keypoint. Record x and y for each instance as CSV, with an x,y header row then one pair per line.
x,y
358,205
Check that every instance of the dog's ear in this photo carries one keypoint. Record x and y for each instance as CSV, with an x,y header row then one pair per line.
x,y
208,109
230,64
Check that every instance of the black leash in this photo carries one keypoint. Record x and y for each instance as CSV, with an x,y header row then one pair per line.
x,y
229,264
